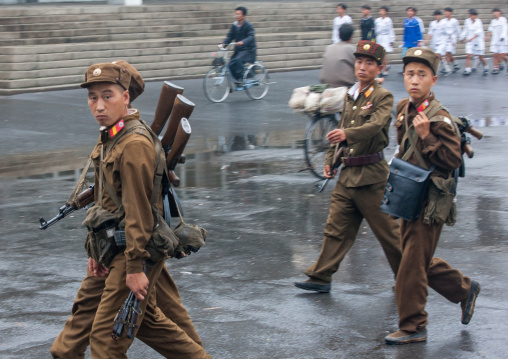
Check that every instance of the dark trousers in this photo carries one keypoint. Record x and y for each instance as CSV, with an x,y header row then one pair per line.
x,y
418,269
349,206
236,67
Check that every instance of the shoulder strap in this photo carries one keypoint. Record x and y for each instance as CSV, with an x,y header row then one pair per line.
x,y
411,134
435,107
160,164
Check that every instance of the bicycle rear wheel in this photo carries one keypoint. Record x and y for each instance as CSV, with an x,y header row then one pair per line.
x,y
216,85
255,79
316,144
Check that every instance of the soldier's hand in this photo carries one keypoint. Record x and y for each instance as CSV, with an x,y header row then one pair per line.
x,y
422,125
97,270
336,136
239,43
138,284
328,173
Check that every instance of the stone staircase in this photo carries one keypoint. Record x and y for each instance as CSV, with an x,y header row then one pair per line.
x,y
49,47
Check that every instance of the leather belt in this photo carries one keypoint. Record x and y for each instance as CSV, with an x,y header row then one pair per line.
x,y
363,160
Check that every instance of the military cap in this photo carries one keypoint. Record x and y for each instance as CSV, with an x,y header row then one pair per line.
x,y
422,55
137,85
107,72
371,49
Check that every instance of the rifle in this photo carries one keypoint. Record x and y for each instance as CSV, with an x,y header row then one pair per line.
x,y
181,138
122,317
84,199
465,141
182,109
165,105
337,162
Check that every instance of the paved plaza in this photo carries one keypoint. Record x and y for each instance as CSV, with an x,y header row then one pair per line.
x,y
244,183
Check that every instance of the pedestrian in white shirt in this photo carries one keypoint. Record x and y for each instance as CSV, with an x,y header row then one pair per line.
x,y
385,35
453,30
436,37
339,21
474,37
498,37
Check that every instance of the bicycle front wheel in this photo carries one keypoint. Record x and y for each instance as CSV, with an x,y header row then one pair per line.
x,y
216,85
316,144
255,79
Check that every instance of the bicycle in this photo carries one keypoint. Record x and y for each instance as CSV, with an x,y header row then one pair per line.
x,y
316,145
219,81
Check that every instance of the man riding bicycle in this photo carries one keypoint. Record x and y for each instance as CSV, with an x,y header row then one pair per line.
x,y
241,32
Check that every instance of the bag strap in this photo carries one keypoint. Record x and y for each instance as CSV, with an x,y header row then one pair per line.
x,y
410,134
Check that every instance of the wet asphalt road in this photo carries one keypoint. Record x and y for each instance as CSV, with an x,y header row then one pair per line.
x,y
265,220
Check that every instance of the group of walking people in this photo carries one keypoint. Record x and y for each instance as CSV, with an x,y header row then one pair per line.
x,y
442,36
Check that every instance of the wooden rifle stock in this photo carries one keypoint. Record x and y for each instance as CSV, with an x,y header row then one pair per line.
x,y
181,138
182,109
473,131
85,197
165,104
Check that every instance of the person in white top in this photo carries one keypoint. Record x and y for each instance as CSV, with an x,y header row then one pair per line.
x,y
437,38
474,37
498,37
385,35
453,30
339,21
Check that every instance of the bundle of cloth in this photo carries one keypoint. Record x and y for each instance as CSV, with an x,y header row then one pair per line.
x,y
318,98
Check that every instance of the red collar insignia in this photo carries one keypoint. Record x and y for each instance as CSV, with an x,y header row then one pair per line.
x,y
116,128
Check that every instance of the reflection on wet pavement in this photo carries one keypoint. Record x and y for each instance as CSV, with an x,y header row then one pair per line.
x,y
490,121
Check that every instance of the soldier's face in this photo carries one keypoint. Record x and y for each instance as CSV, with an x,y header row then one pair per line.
x,y
108,102
382,12
366,69
340,10
497,14
418,80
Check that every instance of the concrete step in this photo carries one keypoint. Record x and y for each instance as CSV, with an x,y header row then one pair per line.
x,y
47,47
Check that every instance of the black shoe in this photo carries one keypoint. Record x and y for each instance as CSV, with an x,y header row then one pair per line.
x,y
467,304
403,337
314,286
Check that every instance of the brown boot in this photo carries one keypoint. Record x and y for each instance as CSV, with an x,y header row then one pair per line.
x,y
314,284
467,304
403,337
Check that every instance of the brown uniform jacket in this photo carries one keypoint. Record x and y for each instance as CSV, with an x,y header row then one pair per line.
x,y
441,147
366,122
129,170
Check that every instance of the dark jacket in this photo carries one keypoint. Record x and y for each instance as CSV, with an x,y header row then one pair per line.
x,y
245,33
367,26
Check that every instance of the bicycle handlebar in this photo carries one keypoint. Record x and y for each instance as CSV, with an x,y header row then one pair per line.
x,y
225,48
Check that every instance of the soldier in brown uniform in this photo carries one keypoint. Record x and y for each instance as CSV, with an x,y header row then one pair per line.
x,y
438,143
359,191
128,170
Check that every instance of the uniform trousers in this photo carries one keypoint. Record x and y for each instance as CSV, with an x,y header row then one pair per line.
x,y
418,269
348,207
179,340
